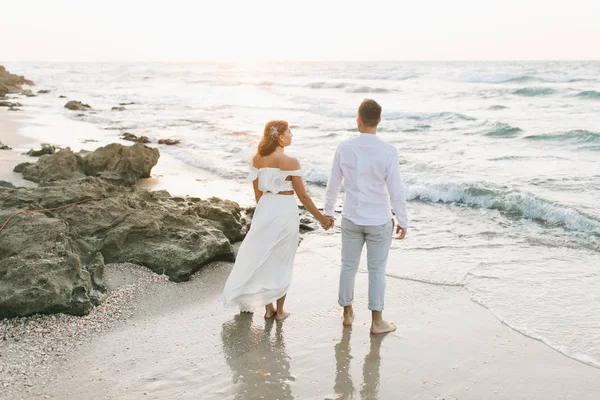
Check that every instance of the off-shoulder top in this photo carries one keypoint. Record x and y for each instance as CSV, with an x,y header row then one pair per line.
x,y
272,179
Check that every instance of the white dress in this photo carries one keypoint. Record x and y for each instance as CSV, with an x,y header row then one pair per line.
x,y
263,268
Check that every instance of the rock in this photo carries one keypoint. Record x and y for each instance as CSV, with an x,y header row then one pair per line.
x,y
44,91
46,149
28,93
126,104
118,109
133,138
116,163
14,109
225,215
11,83
128,225
39,270
99,290
9,104
21,167
77,106
4,147
8,185
63,165
62,97
168,142
130,162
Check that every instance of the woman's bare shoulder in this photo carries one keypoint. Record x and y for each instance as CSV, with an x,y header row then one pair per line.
x,y
289,163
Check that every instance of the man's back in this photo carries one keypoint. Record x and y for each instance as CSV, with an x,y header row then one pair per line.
x,y
369,168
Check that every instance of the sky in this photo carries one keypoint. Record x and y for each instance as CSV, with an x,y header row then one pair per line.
x,y
303,30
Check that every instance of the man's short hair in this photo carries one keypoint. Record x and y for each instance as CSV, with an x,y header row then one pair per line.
x,y
370,112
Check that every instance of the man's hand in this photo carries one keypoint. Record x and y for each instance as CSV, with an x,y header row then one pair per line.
x,y
327,222
401,232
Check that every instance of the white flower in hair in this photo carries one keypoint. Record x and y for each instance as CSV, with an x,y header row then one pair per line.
x,y
274,131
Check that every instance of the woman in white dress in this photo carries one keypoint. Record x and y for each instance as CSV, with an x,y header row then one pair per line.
x,y
263,268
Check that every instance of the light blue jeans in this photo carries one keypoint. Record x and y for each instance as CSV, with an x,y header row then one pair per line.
x,y
379,240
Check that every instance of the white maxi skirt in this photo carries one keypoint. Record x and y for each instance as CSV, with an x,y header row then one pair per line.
x,y
263,268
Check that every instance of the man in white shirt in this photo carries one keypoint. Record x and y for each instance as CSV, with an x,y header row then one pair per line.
x,y
369,168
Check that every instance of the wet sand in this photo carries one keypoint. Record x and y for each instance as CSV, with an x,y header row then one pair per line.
x,y
10,122
181,344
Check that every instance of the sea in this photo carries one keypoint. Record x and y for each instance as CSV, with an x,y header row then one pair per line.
x,y
500,160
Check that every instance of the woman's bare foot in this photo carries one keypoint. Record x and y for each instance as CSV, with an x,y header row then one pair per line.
x,y
280,316
270,311
348,317
382,327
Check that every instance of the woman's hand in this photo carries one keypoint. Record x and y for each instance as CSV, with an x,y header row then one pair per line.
x,y
326,222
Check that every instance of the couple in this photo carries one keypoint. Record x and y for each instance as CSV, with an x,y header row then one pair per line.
x,y
262,273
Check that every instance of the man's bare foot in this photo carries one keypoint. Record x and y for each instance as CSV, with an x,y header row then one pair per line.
x,y
382,327
347,319
270,311
280,316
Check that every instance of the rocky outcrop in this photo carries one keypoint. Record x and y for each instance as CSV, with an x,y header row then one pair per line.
x,y
11,83
40,271
77,106
125,163
10,104
4,147
133,138
116,163
46,149
118,109
44,91
169,142
54,261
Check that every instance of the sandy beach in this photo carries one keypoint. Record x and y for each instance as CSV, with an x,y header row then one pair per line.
x,y
156,339
180,344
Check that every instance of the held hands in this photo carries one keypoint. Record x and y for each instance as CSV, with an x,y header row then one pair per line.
x,y
401,232
327,222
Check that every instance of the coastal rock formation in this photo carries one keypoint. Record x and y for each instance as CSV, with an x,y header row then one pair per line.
x,y
4,147
133,138
53,261
77,106
9,104
169,142
44,91
11,83
115,163
46,149
118,109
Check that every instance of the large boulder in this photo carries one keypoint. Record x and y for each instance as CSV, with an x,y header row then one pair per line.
x,y
116,163
128,162
39,270
63,165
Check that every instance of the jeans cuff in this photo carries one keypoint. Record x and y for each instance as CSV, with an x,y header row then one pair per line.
x,y
376,307
345,303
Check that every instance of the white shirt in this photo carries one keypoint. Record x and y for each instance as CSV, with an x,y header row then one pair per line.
x,y
369,168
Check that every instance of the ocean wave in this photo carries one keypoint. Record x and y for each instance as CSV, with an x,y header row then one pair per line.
x,y
534,91
367,89
526,78
574,136
500,129
514,205
445,116
589,94
497,107
327,85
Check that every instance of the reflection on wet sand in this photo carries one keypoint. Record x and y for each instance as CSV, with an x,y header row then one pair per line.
x,y
344,387
257,358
